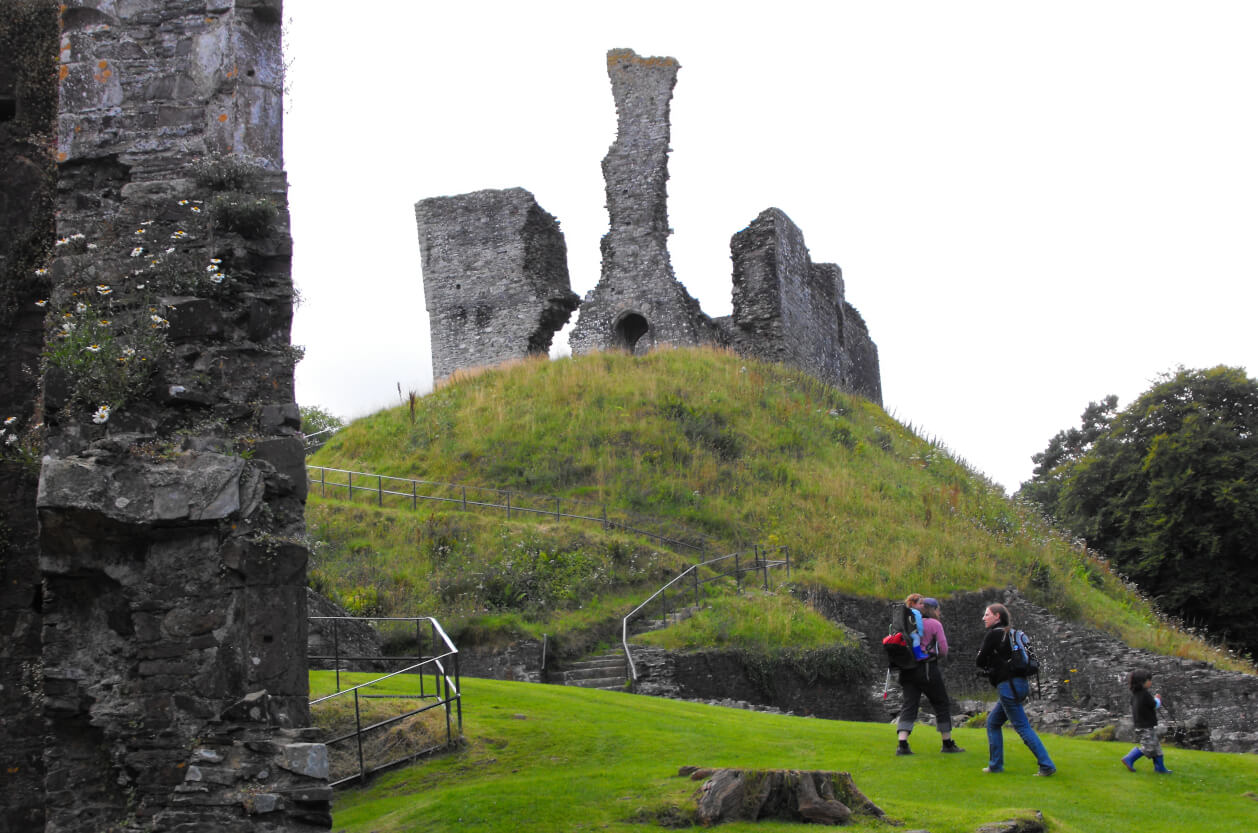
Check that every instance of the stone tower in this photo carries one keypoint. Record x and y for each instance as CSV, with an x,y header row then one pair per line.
x,y
788,309
171,681
638,304
495,278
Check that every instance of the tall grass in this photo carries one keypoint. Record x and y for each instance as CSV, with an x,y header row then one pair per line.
x,y
737,451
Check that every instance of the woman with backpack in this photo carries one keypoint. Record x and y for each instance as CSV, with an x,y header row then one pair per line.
x,y
926,679
994,657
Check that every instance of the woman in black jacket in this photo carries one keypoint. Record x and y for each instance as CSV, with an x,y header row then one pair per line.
x,y
1012,689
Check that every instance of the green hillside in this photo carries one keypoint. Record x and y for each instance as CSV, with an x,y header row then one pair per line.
x,y
705,446
554,758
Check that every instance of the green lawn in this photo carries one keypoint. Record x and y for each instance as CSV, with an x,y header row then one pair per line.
x,y
551,758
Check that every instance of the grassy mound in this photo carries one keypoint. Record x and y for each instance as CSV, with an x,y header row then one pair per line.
x,y
708,446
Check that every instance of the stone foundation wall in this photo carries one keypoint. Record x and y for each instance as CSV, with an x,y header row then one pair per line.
x,y
495,278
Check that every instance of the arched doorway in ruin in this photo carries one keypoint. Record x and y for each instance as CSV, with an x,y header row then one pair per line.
x,y
629,330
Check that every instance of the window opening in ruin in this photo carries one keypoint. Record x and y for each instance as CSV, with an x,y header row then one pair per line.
x,y
629,329
8,109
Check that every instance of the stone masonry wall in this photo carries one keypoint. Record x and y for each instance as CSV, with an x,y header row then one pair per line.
x,y
638,304
172,488
28,46
790,310
495,278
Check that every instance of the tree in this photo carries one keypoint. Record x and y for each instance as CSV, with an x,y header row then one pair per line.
x,y
1169,489
315,419
1064,450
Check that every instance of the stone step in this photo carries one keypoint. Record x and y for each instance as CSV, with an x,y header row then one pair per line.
x,y
598,662
574,674
607,683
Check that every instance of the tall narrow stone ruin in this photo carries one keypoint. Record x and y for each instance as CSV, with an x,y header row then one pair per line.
x,y
28,110
495,278
171,679
788,309
638,303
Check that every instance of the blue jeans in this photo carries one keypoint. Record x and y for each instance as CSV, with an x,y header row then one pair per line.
x,y
1012,693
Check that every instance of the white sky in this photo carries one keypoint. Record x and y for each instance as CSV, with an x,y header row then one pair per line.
x,y
1034,204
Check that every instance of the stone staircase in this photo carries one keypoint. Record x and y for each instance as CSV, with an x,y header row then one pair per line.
x,y
609,670
606,671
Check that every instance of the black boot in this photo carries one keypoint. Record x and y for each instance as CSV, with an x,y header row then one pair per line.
x,y
950,745
903,748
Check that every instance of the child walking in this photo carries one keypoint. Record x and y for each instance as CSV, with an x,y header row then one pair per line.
x,y
1144,714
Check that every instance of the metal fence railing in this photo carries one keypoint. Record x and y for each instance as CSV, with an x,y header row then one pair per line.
x,y
370,741
697,581
385,490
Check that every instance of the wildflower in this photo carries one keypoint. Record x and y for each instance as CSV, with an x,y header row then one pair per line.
x,y
41,272
146,222
137,251
128,351
170,250
179,234
104,322
140,231
159,322
10,420
211,268
183,202
42,302
62,241
101,416
80,307
91,245
140,285
216,260
77,236
92,348
196,209
103,288
217,278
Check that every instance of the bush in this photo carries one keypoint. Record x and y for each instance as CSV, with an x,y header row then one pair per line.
x,y
246,215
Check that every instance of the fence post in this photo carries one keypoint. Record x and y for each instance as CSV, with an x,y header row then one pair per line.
x,y
604,516
336,651
738,574
696,582
323,482
786,551
464,498
508,506
414,496
349,485
358,736
379,490
556,508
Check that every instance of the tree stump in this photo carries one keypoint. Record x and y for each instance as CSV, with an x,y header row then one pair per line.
x,y
818,796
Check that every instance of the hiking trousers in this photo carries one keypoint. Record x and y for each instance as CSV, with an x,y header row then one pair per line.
x,y
1012,693
925,679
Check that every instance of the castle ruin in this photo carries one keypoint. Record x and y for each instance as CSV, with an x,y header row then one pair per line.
x,y
154,564
785,307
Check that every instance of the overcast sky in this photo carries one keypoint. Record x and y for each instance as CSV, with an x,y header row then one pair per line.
x,y
1034,204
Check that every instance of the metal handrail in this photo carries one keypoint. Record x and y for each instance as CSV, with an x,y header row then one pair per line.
x,y
761,563
452,695
465,503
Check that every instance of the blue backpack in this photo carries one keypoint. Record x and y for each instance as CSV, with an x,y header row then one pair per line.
x,y
1022,659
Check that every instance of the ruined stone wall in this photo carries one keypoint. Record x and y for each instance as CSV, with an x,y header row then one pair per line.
x,y
495,278
790,310
28,87
171,494
638,304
